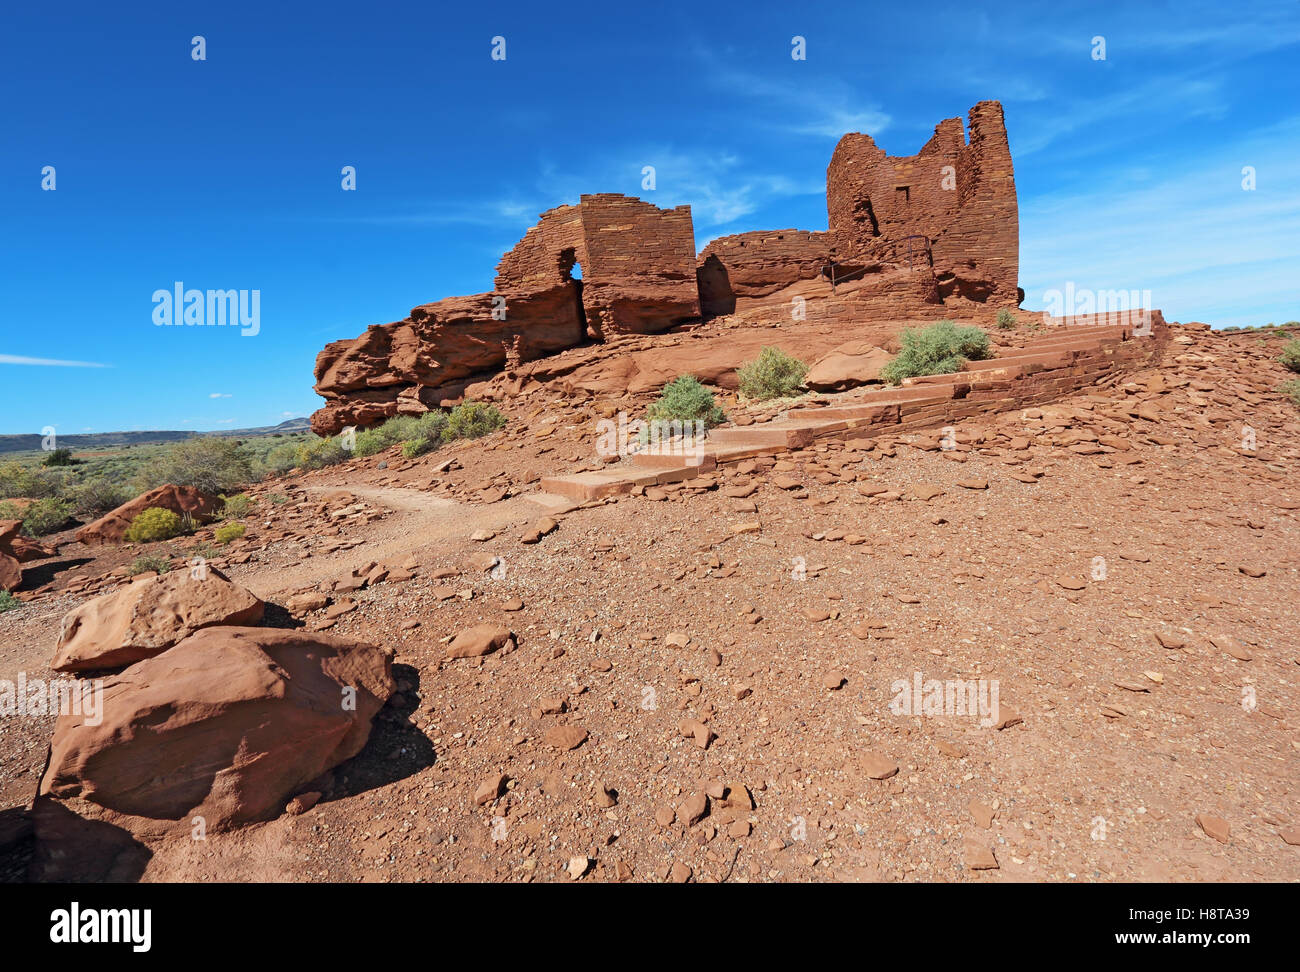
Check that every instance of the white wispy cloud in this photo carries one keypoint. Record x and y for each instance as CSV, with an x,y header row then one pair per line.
x,y
219,395
1181,227
18,359
798,101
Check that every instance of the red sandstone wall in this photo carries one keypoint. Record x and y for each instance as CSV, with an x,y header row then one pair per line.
x,y
640,273
874,202
757,264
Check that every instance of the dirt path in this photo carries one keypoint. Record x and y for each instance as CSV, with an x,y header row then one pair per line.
x,y
422,520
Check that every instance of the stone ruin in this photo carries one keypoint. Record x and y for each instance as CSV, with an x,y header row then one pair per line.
x,y
906,237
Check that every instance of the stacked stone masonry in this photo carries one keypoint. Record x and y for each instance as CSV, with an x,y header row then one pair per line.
x,y
906,236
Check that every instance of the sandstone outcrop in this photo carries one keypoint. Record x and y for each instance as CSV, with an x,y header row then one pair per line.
x,y
226,725
905,237
111,527
148,616
849,365
11,573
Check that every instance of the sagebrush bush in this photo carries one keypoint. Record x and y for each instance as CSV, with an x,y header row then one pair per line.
x,y
147,562
277,461
939,349
210,463
99,494
44,516
235,507
472,420
1006,319
18,480
320,453
8,602
685,399
401,429
227,532
774,374
1290,357
415,447
152,525
1291,390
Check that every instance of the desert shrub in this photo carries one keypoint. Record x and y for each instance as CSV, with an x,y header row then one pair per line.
x,y
210,463
685,399
774,374
320,453
17,479
278,499
415,447
235,507
1290,356
472,420
387,434
41,517
99,494
153,524
147,562
58,457
939,349
228,531
1291,390
8,602
1006,319
277,461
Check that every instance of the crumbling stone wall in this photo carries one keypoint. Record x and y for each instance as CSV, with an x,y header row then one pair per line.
x,y
640,274
905,235
753,265
952,205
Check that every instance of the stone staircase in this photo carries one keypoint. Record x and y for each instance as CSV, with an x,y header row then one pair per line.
x,y
1061,362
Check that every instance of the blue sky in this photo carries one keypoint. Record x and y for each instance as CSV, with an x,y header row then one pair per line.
x,y
225,173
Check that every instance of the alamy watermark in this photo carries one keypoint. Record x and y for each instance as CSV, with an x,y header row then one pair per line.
x,y
59,696
657,437
219,308
1130,307
954,697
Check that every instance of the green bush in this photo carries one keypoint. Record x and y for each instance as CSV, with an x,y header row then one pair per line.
x,y
235,507
320,453
774,374
44,516
277,461
684,399
415,447
1291,355
939,349
1291,390
472,420
99,494
210,463
152,525
278,499
147,562
8,602
19,480
228,531
1006,319
58,457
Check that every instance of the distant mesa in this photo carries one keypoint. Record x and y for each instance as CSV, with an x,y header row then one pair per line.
x,y
117,440
907,237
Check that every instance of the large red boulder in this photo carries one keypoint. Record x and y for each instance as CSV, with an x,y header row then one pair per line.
x,y
11,574
849,365
111,527
145,618
226,726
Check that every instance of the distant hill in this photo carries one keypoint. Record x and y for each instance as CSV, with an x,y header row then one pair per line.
x,y
116,440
